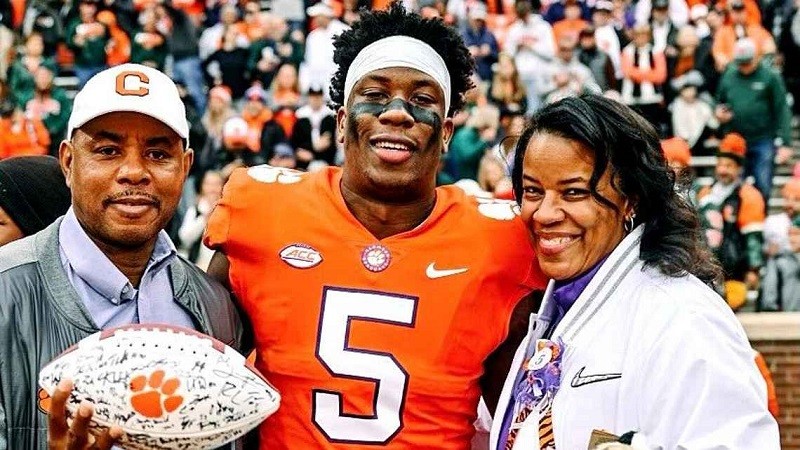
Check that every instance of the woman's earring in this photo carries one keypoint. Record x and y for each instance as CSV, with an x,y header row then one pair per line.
x,y
629,224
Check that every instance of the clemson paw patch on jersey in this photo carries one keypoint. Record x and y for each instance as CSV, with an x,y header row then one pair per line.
x,y
498,209
269,174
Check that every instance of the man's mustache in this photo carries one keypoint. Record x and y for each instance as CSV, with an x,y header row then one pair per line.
x,y
133,196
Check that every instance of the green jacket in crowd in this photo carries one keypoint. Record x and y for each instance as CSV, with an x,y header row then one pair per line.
x,y
92,53
758,102
20,79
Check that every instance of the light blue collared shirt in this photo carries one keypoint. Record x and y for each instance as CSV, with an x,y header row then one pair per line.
x,y
108,294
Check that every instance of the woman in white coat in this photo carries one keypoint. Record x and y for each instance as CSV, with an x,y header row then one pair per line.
x,y
630,343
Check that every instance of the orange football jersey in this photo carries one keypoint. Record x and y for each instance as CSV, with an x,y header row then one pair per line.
x,y
371,343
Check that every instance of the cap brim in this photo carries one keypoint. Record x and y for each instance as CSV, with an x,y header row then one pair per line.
x,y
147,112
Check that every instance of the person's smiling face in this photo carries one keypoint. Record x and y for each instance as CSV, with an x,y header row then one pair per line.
x,y
570,229
394,129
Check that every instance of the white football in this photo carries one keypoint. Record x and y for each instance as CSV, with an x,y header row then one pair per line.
x,y
166,387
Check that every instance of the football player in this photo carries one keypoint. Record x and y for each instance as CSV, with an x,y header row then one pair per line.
x,y
381,305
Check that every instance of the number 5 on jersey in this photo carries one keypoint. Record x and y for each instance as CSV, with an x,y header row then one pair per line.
x,y
339,308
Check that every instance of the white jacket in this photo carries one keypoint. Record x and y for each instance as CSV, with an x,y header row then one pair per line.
x,y
659,355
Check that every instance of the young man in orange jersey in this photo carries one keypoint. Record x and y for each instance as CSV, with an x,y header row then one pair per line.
x,y
380,304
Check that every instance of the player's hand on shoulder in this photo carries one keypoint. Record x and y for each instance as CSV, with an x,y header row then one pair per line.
x,y
63,436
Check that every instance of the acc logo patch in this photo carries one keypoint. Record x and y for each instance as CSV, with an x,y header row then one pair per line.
x,y
269,174
301,256
498,209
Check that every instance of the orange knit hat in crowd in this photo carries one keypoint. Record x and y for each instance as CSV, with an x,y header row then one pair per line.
x,y
733,146
676,150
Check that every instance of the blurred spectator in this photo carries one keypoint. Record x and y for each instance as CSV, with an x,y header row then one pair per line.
x,y
480,41
557,11
715,20
679,158
645,71
51,105
351,11
698,17
43,17
149,46
727,36
623,18
530,39
692,118
598,61
318,65
677,11
752,102
573,22
664,30
278,47
692,53
565,76
781,284
751,8
217,113
507,90
263,62
33,194
284,116
314,133
291,12
511,126
21,135
471,141
235,153
606,35
289,43
118,50
87,38
209,191
732,216
285,88
20,75
256,113
789,47
183,44
252,26
225,32
6,45
283,156
228,65
493,177
261,124
197,132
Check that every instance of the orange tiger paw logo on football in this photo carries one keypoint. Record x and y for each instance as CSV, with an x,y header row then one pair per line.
x,y
43,401
153,396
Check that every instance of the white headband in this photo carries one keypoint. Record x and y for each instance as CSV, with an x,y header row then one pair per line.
x,y
399,51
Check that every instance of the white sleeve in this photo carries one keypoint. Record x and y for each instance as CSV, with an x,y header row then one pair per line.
x,y
700,387
678,12
192,227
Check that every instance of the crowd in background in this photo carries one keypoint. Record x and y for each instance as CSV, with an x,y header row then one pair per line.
x,y
713,78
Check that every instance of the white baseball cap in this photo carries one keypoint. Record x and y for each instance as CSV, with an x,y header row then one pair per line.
x,y
130,88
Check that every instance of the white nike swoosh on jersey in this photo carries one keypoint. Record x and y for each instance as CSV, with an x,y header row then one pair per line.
x,y
579,380
434,273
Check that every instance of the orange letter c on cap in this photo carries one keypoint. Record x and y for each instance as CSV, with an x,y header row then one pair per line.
x,y
143,82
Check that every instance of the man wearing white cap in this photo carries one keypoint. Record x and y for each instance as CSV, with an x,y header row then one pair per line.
x,y
318,65
107,262
379,302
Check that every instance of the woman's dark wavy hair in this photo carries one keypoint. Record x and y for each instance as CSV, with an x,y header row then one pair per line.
x,y
397,21
626,142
